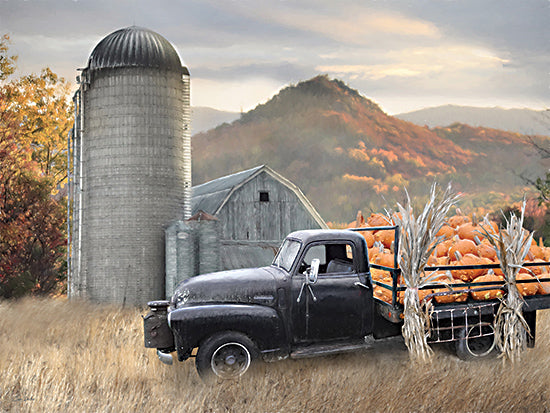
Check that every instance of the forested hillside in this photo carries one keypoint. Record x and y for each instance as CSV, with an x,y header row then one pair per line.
x,y
346,154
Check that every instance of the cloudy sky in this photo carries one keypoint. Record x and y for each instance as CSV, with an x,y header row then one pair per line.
x,y
403,54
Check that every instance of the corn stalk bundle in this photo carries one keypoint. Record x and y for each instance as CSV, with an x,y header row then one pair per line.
x,y
418,239
512,245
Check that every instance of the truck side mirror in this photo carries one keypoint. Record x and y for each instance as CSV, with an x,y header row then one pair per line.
x,y
313,271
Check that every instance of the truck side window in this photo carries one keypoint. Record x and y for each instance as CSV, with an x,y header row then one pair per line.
x,y
334,258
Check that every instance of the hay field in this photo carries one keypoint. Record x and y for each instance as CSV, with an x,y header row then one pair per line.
x,y
59,356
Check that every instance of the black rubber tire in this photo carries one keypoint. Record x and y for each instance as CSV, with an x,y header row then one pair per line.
x,y
225,355
475,348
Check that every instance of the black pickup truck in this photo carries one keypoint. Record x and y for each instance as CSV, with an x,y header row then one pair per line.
x,y
316,298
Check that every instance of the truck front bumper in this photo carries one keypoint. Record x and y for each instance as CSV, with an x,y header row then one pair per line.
x,y
166,358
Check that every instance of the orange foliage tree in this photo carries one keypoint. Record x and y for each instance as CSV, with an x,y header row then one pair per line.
x,y
34,121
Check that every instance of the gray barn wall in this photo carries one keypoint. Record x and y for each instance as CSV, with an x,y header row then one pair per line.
x,y
244,217
135,179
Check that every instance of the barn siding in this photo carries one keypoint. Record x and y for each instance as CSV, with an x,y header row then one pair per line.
x,y
244,217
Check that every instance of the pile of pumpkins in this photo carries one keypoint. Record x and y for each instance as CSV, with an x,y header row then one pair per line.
x,y
464,244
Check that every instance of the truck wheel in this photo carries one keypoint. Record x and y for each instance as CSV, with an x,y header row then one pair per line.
x,y
226,355
472,347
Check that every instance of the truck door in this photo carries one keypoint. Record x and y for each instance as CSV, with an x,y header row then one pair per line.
x,y
335,306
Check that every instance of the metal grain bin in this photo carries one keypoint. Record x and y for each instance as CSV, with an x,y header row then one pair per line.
x,y
135,166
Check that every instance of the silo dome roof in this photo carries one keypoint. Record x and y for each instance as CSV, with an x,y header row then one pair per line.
x,y
134,47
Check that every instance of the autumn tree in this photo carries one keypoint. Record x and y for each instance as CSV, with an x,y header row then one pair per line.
x,y
34,121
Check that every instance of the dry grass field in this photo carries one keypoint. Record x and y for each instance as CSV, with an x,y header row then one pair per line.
x,y
59,356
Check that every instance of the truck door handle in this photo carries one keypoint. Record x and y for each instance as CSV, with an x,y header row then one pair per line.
x,y
358,284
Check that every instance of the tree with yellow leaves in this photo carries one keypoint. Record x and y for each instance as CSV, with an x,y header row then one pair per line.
x,y
35,117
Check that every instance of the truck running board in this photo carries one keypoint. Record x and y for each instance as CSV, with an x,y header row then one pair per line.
x,y
326,349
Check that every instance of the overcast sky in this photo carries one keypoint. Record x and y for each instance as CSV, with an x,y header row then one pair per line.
x,y
403,54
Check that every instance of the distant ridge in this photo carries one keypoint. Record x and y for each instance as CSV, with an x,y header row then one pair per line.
x,y
204,118
524,121
346,154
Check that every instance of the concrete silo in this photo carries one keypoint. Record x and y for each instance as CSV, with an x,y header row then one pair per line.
x,y
131,166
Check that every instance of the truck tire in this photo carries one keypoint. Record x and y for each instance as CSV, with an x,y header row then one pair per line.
x,y
226,355
477,347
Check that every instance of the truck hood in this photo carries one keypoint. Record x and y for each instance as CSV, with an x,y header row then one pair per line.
x,y
250,285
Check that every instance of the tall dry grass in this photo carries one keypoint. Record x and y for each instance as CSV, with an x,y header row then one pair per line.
x,y
78,357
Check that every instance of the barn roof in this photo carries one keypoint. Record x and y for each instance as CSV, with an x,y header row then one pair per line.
x,y
211,196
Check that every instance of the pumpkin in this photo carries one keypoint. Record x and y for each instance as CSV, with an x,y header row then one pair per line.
x,y
544,286
378,220
490,227
463,246
369,237
485,250
382,294
457,220
442,260
385,237
421,295
460,296
532,270
489,294
442,249
469,231
536,252
446,231
386,259
380,275
526,288
469,275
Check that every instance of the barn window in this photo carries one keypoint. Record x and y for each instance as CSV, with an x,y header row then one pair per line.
x,y
264,196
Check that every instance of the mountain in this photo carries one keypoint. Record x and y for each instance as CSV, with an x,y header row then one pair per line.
x,y
204,118
346,154
525,121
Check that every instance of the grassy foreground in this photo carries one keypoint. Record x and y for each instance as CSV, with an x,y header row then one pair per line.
x,y
78,357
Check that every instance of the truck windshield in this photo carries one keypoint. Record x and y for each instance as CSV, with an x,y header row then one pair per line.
x,y
287,254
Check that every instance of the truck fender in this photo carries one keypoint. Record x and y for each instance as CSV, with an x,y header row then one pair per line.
x,y
263,325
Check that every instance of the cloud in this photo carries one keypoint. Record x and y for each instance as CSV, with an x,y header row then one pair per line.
x,y
234,96
353,24
421,62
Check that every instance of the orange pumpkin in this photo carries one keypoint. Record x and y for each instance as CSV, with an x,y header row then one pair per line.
x,y
491,227
490,294
442,249
485,250
533,270
380,275
469,231
385,259
421,295
457,220
447,231
385,237
463,246
378,220
536,252
382,294
544,286
469,275
526,288
460,296
369,237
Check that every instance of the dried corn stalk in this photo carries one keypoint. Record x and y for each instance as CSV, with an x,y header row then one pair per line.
x,y
418,239
512,245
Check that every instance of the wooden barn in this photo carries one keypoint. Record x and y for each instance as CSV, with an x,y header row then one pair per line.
x,y
256,209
